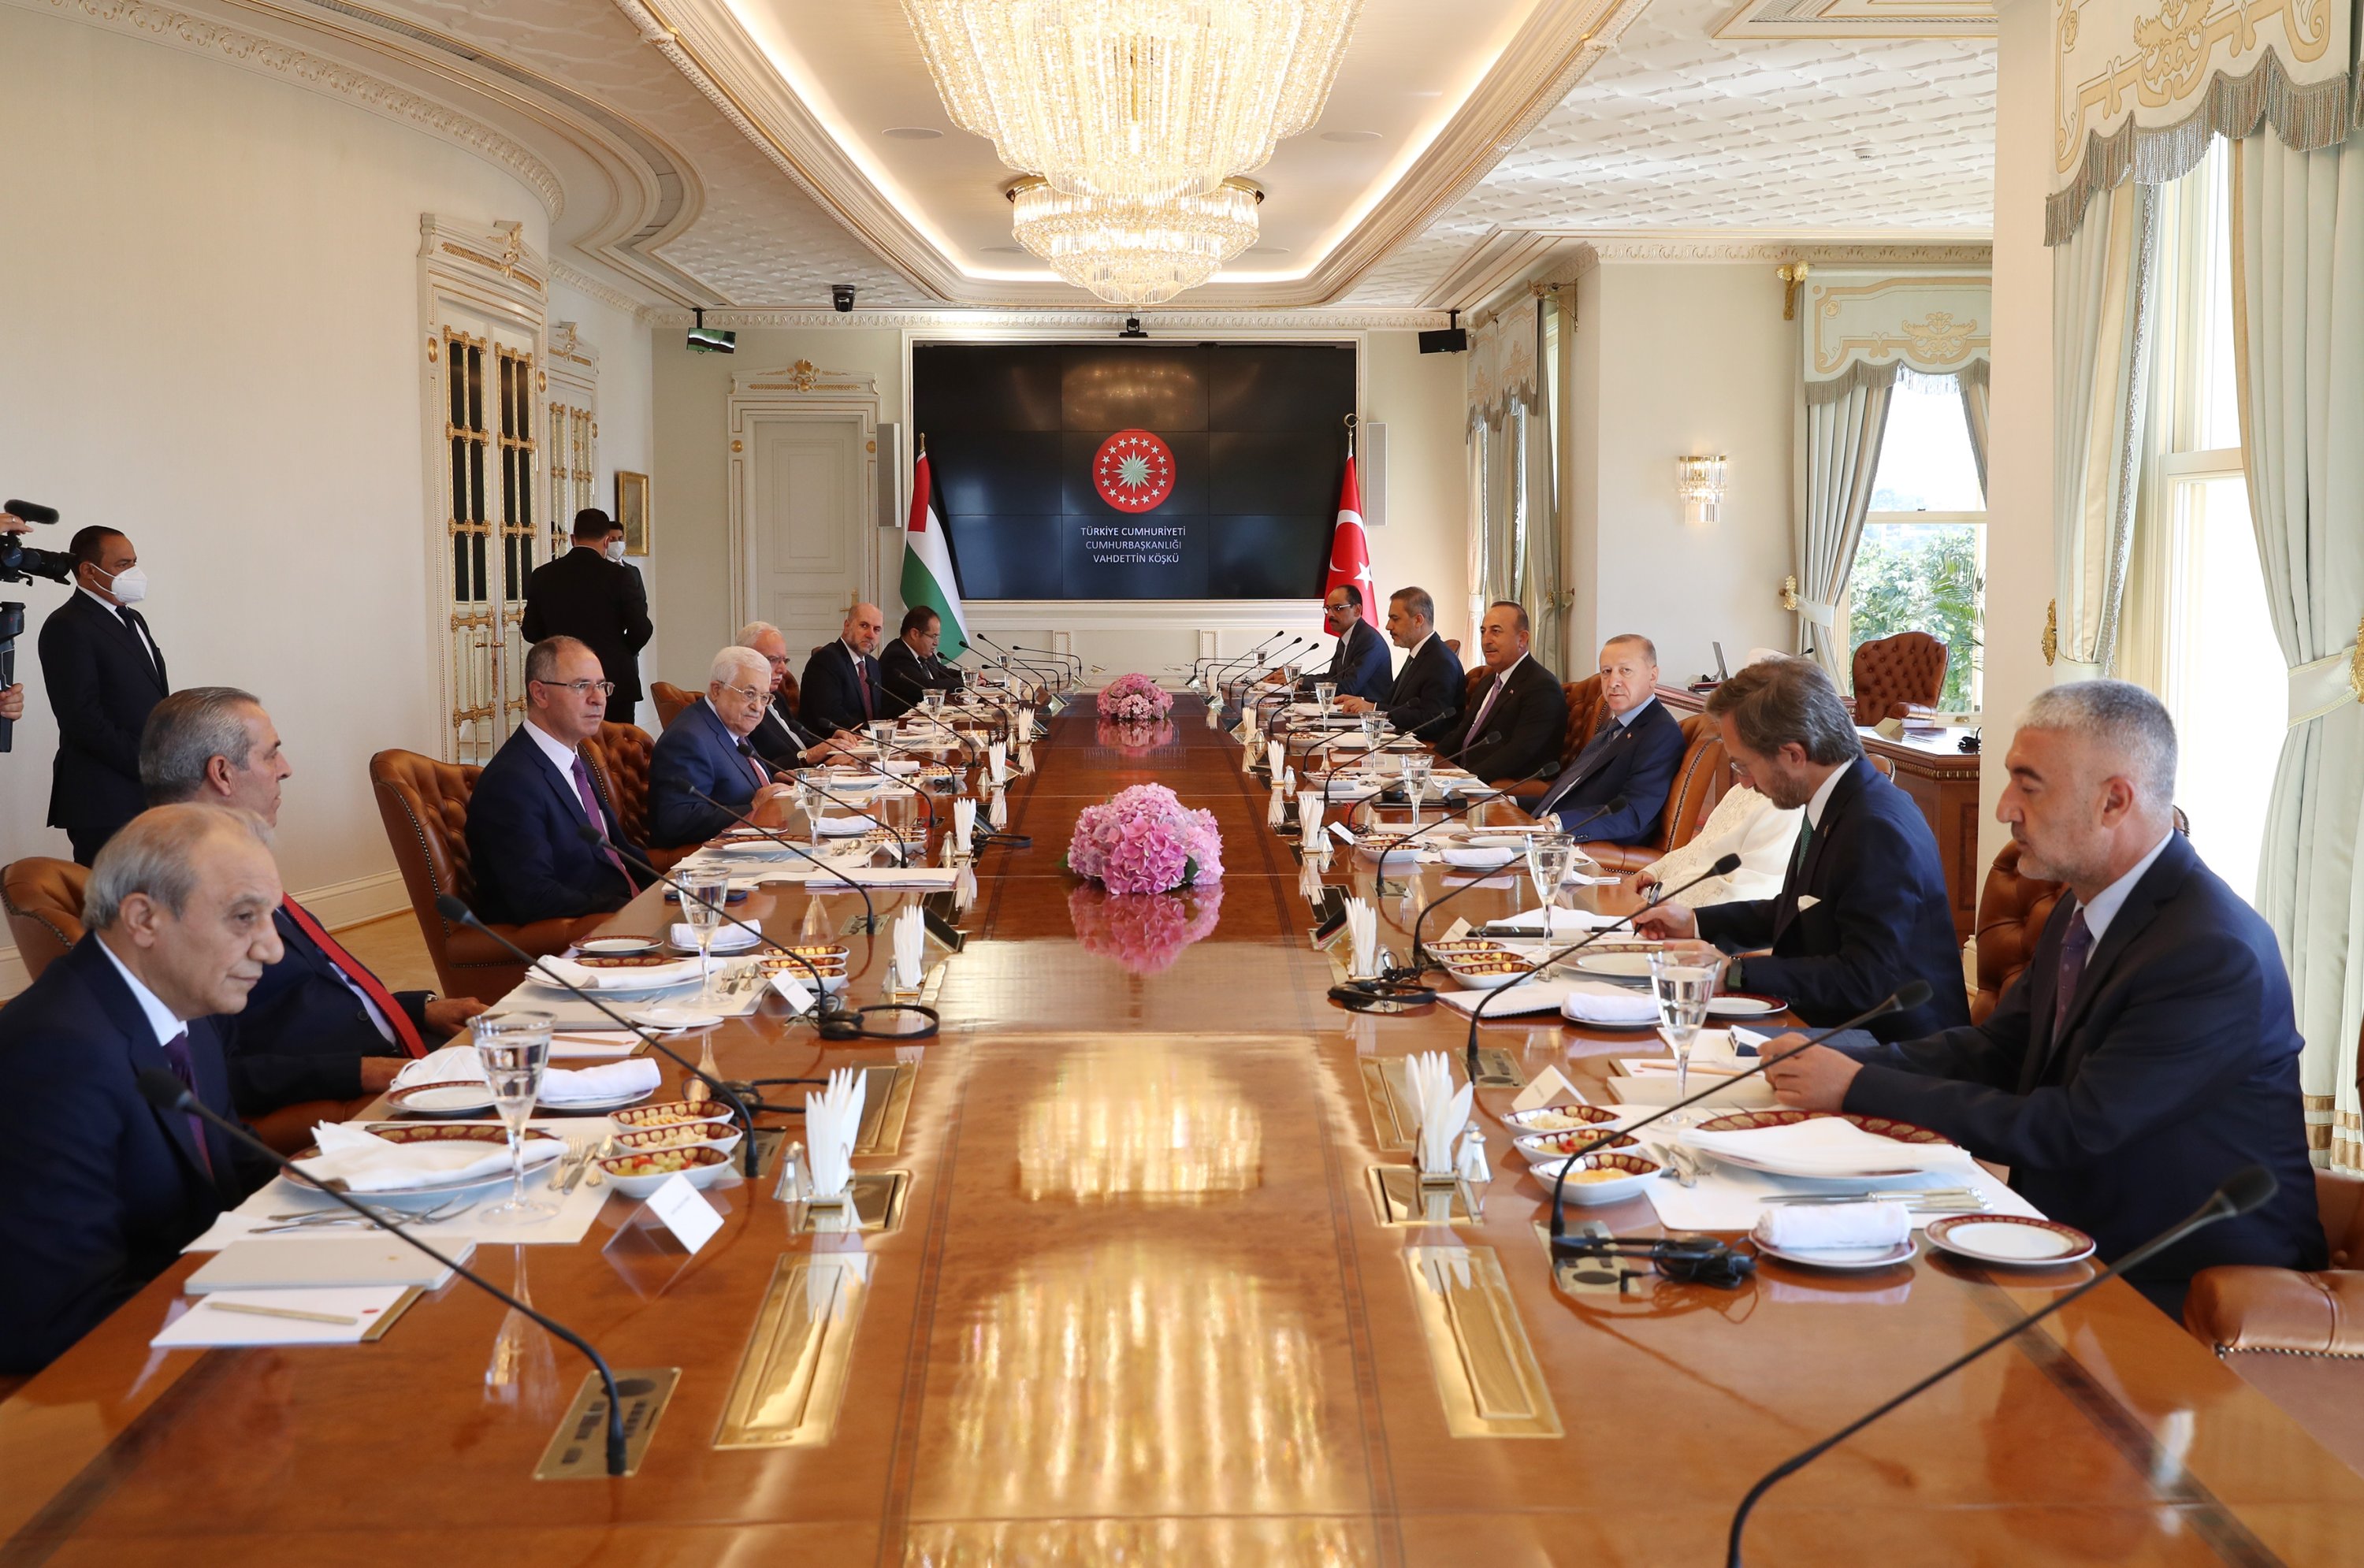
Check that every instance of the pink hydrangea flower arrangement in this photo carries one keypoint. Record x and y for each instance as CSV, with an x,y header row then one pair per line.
x,y
1144,932
1134,699
1145,840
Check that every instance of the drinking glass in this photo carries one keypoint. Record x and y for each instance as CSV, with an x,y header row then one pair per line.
x,y
1550,856
1324,693
703,894
514,1048
1683,986
933,700
882,731
809,797
1415,783
1372,722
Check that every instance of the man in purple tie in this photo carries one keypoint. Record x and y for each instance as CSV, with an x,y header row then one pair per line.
x,y
706,753
533,800
99,1190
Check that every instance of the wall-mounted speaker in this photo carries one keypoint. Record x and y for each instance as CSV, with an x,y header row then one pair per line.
x,y
1445,340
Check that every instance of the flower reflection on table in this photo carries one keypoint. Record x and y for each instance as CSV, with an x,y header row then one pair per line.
x,y
1134,738
1144,932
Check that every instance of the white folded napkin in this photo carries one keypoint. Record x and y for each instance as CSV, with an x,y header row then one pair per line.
x,y
642,978
832,1120
1025,725
1833,1227
1828,1146
1363,939
1479,859
964,823
1276,812
560,1086
1510,1001
997,762
1591,1002
1441,1109
910,947
1564,922
996,811
1309,818
1275,754
844,827
368,1163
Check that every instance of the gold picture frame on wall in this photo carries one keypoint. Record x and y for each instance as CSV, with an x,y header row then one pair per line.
x,y
633,511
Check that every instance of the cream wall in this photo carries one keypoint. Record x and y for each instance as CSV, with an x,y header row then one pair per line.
x,y
212,341
1669,358
1417,397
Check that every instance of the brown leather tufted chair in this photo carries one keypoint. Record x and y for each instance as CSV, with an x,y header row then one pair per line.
x,y
1700,780
1894,674
43,898
2012,910
1584,710
671,701
620,753
424,805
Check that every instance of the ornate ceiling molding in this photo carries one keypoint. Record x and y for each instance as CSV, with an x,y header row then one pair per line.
x,y
1860,19
1108,321
1505,256
585,283
199,35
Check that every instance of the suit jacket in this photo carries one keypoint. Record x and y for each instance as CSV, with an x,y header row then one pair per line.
x,y
1427,690
905,676
1359,665
780,740
1866,913
99,1191
584,594
526,845
102,683
2177,1066
1616,790
1532,713
698,752
304,1032
831,696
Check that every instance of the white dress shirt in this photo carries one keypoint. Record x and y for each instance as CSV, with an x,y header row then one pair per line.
x,y
561,757
116,611
2110,900
161,1018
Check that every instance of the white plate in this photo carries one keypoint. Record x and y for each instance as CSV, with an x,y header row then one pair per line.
x,y
586,1108
2013,1240
846,827
1625,965
541,1149
1474,858
441,1099
618,947
1741,1007
667,1019
1839,1257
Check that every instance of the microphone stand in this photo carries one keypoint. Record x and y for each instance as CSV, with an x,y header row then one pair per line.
x,y
979,833
2244,1191
163,1091
465,916
1418,964
870,911
1201,668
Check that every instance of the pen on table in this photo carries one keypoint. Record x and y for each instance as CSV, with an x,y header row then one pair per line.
x,y
276,1312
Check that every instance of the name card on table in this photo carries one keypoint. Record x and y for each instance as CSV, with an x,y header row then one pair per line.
x,y
683,1210
1548,1085
793,990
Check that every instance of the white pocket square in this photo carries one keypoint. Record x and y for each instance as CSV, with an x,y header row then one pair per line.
x,y
1806,901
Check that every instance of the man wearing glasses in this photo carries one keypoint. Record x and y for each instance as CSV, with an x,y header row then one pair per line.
x,y
778,739
705,752
526,817
1359,665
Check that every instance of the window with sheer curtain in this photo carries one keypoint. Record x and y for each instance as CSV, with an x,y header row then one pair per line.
x,y
1922,564
2199,632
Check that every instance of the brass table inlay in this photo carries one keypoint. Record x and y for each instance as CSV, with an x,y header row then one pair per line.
x,y
886,1102
1486,1371
792,1378
877,1205
578,1449
1388,1091
1401,1200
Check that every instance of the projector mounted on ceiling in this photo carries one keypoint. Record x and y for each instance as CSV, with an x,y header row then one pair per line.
x,y
705,339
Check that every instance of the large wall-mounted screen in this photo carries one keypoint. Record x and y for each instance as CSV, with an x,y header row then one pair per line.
x,y
1136,471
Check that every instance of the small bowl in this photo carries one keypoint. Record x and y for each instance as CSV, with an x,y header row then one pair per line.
x,y
1558,1119
639,1176
832,971
1545,1150
669,1113
719,1135
616,947
1489,973
1633,1174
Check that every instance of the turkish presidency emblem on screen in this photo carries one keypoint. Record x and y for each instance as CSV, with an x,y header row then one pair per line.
x,y
1133,471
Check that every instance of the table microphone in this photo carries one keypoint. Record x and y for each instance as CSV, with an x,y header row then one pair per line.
x,y
2243,1191
1418,965
1910,995
450,908
869,910
166,1093
1217,663
1724,867
1368,802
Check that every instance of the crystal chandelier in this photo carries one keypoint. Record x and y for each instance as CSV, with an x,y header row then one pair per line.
x,y
1134,99
1134,252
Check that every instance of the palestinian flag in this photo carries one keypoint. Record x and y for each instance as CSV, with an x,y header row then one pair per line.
x,y
928,564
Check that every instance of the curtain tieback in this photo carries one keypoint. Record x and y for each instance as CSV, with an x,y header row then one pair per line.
x,y
2323,685
1821,615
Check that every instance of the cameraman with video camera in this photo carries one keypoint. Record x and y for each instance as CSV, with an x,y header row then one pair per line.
x,y
12,695
21,563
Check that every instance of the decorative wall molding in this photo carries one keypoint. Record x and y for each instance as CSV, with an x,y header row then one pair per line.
x,y
179,29
1860,19
1109,321
583,282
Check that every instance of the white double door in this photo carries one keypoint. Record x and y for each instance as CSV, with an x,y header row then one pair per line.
x,y
803,497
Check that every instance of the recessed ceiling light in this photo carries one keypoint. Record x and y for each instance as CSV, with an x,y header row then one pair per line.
x,y
912,132
1350,136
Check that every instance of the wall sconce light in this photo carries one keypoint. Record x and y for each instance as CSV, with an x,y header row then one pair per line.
x,y
1791,276
1699,480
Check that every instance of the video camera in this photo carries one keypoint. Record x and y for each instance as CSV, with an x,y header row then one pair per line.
x,y
20,563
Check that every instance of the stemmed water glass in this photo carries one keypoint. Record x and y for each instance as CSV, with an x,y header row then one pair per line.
x,y
1683,985
1415,783
703,894
809,799
1550,857
514,1048
1372,722
1324,693
933,700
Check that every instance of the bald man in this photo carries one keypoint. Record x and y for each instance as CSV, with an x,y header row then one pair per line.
x,y
841,689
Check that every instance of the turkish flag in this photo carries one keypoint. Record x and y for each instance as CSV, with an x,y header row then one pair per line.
x,y
1350,548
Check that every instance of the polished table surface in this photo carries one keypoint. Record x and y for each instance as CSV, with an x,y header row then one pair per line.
x,y
1140,1308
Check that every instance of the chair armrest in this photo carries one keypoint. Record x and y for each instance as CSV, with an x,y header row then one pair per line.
x,y
2240,1308
1620,858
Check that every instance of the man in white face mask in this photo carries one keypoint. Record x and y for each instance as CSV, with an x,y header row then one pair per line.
x,y
588,595
104,673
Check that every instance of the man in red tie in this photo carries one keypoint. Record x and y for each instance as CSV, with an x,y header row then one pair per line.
x,y
318,1025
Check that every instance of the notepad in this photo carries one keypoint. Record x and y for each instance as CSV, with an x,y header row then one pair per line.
x,y
263,1318
321,1262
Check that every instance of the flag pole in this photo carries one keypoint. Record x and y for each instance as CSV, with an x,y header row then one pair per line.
x,y
1350,422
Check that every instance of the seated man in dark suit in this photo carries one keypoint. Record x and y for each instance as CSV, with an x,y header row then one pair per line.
x,y
1520,703
909,667
104,673
527,816
318,1025
779,739
1863,909
842,689
706,754
99,1190
1425,696
1616,790
1358,664
2148,1050
599,602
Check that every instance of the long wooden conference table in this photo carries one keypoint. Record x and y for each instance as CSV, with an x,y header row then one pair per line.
x,y
1138,1305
